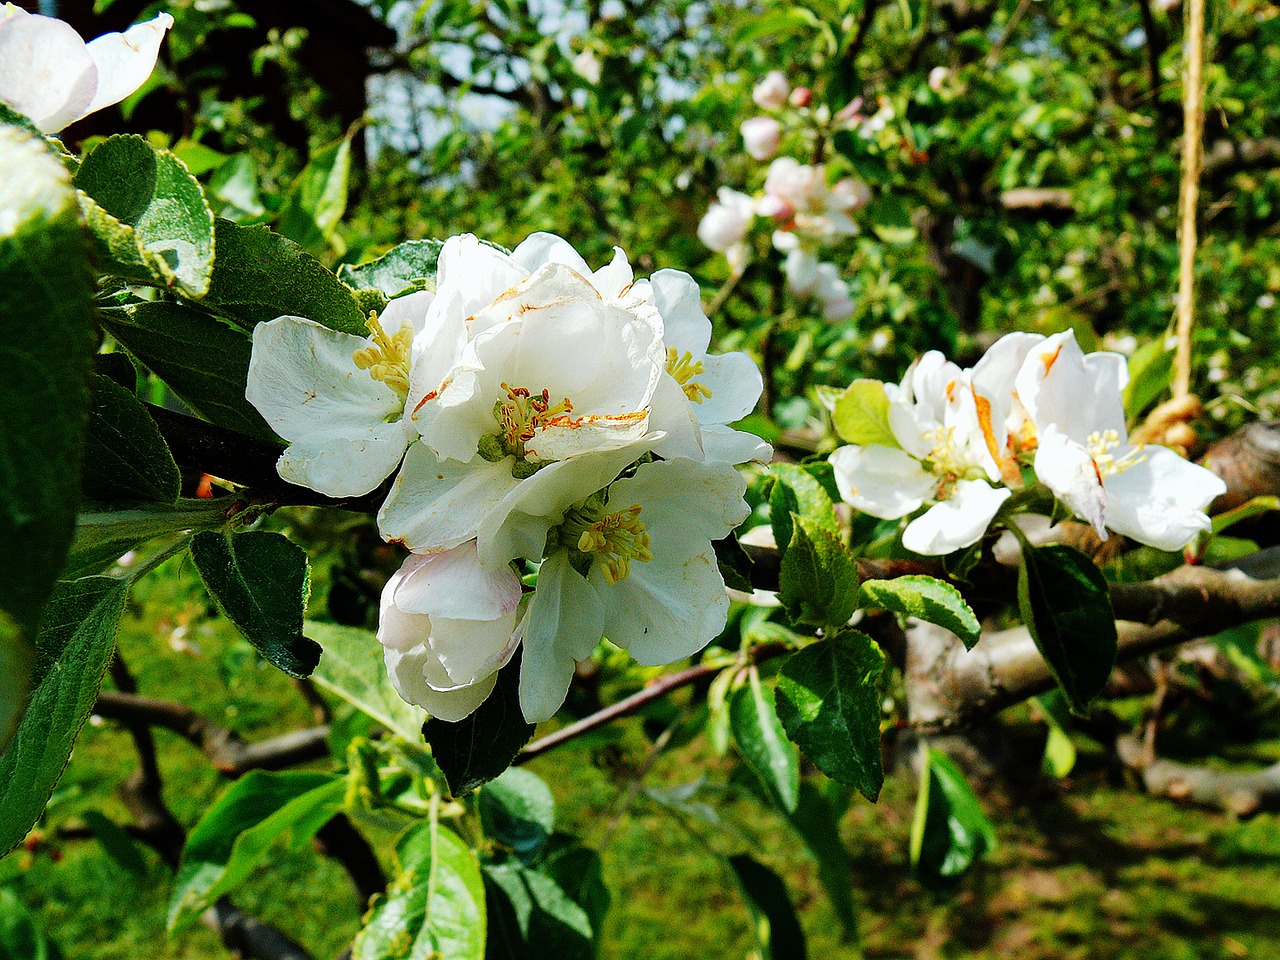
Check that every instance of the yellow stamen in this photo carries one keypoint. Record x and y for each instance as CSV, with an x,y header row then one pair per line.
x,y
617,539
684,369
523,414
1100,445
387,357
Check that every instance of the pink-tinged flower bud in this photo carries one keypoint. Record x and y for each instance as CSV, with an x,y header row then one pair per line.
x,y
937,77
801,97
761,136
775,207
851,194
771,92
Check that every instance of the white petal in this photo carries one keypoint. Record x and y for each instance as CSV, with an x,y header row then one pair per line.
x,y
578,435
471,650
434,505
1160,501
345,461
46,71
615,277
539,249
675,422
304,382
881,481
566,621
727,445
1065,467
679,300
475,271
409,671
125,60
957,522
453,584
407,311
735,384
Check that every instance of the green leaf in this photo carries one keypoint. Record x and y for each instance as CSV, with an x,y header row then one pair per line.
x,y
235,836
20,936
949,832
74,647
46,345
203,360
235,183
868,164
1150,373
1064,602
733,563
796,491
890,219
318,198
816,821
861,415
148,213
818,578
403,269
352,667
530,915
1059,750
476,750
829,703
125,458
436,906
260,275
17,661
104,532
776,927
927,598
518,811
117,844
763,742
261,581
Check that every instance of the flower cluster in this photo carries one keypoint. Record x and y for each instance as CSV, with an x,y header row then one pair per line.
x,y
50,74
807,213
965,437
537,412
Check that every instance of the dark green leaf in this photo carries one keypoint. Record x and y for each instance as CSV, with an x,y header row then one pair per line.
x,y
1064,602
104,532
829,703
149,214
476,750
795,491
125,458
867,165
404,269
776,926
734,564
17,662
46,342
203,360
926,598
235,183
261,581
819,827
236,834
818,579
352,667
117,844
1150,373
260,275
763,742
435,908
517,810
74,646
890,219
530,915
861,415
579,872
950,831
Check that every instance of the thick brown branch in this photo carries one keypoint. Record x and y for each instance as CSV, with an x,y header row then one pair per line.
x,y
1243,794
230,755
949,687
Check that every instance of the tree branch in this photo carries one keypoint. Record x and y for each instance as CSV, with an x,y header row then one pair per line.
x,y
1243,794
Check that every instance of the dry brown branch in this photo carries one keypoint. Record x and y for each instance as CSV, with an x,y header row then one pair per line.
x,y
1243,794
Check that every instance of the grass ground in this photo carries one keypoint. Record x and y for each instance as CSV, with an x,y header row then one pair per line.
x,y
1085,868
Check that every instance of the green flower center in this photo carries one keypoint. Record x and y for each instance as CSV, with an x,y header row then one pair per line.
x,y
522,415
387,357
684,368
611,539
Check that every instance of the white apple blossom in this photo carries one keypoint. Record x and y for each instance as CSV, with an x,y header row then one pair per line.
x,y
635,564
447,625
340,399
1146,492
49,73
771,92
761,137
821,214
724,226
950,435
588,66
